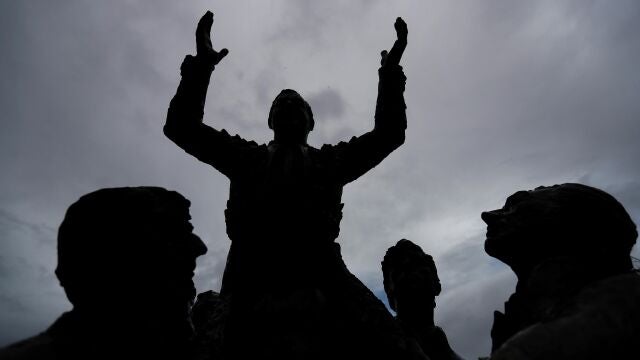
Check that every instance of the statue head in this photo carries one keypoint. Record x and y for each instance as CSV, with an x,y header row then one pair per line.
x,y
568,220
290,118
410,277
120,246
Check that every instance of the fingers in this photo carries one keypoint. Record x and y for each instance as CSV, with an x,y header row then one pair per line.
x,y
400,24
203,33
204,25
401,28
204,46
222,53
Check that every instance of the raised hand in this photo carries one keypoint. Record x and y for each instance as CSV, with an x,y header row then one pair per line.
x,y
393,57
401,29
203,40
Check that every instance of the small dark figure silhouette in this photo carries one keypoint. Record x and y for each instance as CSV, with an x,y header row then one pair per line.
x,y
126,258
577,295
412,284
290,293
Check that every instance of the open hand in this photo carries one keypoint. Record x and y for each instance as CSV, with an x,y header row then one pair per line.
x,y
401,29
203,40
393,57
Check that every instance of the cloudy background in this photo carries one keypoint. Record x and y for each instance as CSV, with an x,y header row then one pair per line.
x,y
501,96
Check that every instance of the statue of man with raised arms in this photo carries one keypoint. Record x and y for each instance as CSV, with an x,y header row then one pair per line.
x,y
290,294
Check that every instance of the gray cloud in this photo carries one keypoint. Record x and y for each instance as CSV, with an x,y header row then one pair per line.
x,y
327,104
31,297
466,313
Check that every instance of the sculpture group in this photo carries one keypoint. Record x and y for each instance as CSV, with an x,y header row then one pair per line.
x,y
126,256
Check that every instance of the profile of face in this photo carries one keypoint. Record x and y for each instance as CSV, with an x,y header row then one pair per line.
x,y
170,260
290,117
519,225
118,246
561,220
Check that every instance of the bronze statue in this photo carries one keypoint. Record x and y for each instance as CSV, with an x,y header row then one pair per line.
x,y
412,284
285,277
126,258
577,295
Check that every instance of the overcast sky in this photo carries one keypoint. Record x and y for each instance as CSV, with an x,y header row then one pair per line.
x,y
501,95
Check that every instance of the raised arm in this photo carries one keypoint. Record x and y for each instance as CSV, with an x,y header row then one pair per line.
x,y
362,153
184,124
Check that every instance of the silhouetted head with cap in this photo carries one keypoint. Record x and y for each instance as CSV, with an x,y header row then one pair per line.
x,y
290,118
410,279
568,220
129,253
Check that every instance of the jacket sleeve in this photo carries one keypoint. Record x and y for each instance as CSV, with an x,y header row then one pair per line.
x,y
361,154
184,124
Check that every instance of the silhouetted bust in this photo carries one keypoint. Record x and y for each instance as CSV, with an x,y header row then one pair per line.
x,y
290,293
126,258
577,294
412,284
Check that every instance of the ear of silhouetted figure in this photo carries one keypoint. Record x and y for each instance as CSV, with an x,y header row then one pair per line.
x,y
578,295
126,258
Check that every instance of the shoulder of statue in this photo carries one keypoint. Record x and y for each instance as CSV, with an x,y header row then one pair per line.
x,y
40,346
238,139
623,290
339,146
311,149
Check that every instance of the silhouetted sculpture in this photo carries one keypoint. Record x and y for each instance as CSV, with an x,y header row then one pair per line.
x,y
126,258
290,293
577,295
209,316
412,284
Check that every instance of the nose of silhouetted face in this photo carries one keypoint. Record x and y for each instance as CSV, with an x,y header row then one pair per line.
x,y
197,246
489,217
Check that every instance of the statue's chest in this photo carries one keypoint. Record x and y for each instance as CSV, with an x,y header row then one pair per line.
x,y
298,177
